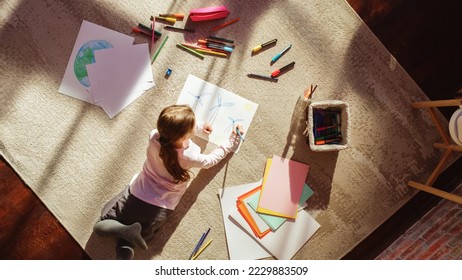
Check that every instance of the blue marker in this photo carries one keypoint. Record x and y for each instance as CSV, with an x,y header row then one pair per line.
x,y
276,57
220,47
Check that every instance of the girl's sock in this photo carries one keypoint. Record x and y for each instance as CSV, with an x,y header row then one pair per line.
x,y
131,233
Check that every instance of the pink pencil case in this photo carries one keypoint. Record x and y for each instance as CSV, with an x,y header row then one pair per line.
x,y
208,13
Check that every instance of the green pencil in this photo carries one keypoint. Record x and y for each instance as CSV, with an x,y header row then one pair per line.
x,y
160,48
190,50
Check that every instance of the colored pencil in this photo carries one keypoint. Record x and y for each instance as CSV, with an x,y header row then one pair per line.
x,y
158,50
198,245
240,134
167,19
177,16
204,51
225,24
202,249
190,50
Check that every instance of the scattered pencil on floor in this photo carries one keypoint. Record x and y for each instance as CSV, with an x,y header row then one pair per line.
x,y
171,20
225,24
175,16
192,51
202,249
159,49
309,91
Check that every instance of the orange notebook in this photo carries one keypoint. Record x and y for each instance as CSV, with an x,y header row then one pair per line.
x,y
244,211
282,187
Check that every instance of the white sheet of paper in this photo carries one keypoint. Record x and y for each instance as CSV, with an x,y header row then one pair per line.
x,y
215,105
120,76
91,37
287,240
241,246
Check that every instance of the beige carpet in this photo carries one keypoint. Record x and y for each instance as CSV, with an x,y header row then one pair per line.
x,y
75,158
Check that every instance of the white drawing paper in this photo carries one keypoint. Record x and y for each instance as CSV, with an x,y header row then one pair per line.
x,y
287,240
241,246
91,37
115,83
217,106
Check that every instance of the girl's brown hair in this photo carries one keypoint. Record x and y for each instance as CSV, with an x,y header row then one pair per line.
x,y
174,123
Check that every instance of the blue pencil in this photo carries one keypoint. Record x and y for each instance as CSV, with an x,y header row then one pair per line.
x,y
199,244
240,134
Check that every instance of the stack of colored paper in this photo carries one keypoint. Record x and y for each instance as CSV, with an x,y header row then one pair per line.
x,y
282,187
106,69
269,213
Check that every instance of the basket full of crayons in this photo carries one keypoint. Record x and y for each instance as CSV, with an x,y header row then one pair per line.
x,y
327,125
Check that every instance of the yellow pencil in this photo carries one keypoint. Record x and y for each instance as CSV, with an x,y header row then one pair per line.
x,y
201,249
212,52
169,19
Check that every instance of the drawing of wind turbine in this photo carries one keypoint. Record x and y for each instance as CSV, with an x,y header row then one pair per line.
x,y
233,122
216,108
198,99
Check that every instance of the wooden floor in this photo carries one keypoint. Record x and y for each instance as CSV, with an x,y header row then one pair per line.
x,y
424,36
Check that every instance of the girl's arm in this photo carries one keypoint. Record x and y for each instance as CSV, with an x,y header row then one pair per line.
x,y
211,159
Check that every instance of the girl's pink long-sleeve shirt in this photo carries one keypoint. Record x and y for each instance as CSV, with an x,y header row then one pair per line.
x,y
155,185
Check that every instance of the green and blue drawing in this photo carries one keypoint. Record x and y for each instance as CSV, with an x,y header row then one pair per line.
x,y
85,56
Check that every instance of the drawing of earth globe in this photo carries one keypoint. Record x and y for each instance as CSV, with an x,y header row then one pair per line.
x,y
86,55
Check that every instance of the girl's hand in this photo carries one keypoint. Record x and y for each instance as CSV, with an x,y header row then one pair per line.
x,y
207,129
241,129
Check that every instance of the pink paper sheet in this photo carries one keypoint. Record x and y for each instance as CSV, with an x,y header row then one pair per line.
x,y
283,187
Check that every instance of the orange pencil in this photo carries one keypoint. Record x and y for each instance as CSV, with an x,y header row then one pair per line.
x,y
225,24
204,51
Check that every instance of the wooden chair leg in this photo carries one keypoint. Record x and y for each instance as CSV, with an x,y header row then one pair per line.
x,y
443,133
435,191
447,146
439,167
455,148
438,103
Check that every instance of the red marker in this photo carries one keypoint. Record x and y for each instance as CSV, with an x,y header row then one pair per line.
x,y
277,72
